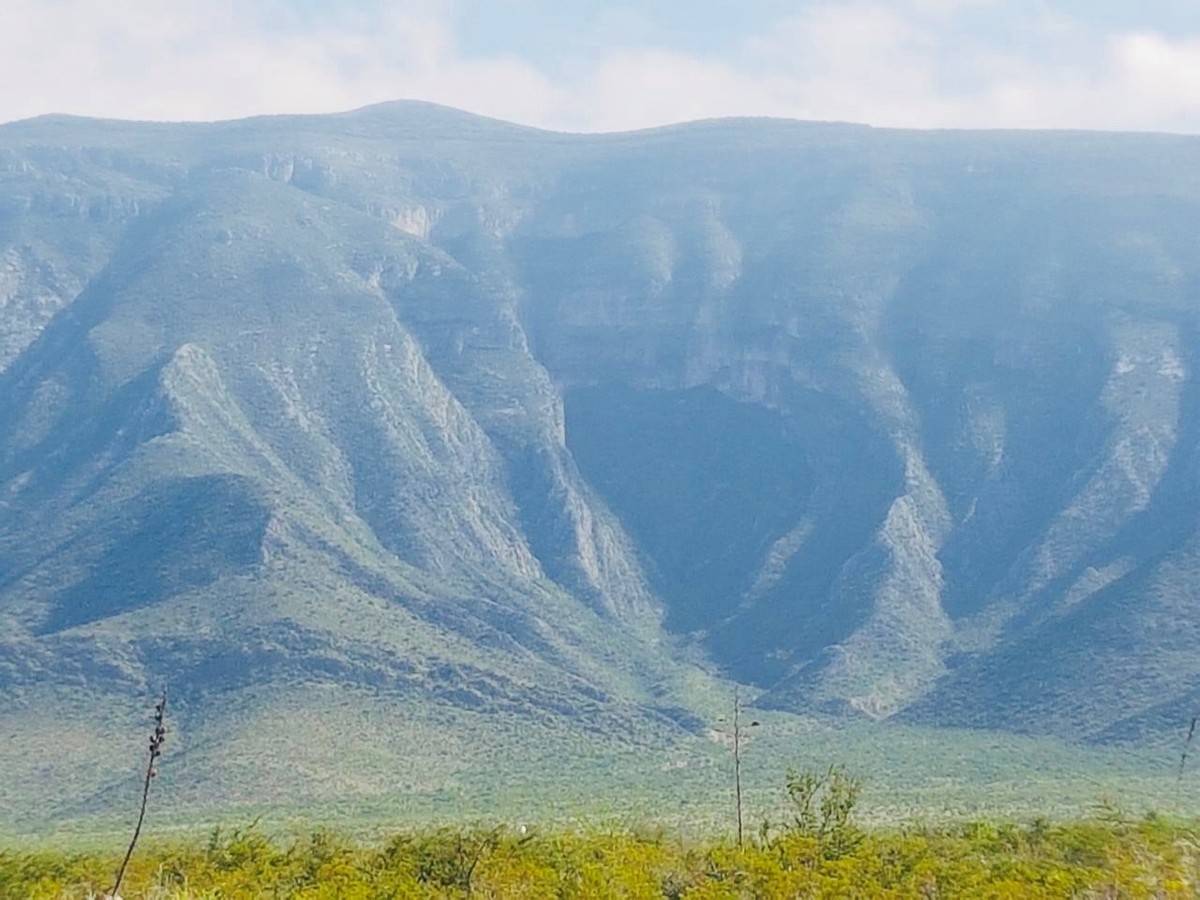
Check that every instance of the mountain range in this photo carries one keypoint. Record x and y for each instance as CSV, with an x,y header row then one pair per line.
x,y
573,431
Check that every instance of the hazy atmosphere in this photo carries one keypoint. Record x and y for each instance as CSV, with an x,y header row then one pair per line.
x,y
585,65
792,496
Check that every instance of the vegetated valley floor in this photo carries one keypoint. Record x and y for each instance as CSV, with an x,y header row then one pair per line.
x,y
381,772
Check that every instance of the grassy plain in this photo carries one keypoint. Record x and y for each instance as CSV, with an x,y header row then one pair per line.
x,y
362,772
358,801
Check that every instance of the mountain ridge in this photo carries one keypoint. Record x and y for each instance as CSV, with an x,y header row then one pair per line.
x,y
879,423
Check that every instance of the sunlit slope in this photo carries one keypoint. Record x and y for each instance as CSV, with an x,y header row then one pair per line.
x,y
879,423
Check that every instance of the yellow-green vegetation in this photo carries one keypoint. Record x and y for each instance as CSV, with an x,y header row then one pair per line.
x,y
1101,858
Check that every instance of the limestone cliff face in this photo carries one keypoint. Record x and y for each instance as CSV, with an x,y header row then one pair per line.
x,y
882,423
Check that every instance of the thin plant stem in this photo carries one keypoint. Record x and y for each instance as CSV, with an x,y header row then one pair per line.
x,y
156,743
1186,745
737,762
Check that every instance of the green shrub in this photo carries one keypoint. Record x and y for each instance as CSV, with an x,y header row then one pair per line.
x,y
822,856
822,808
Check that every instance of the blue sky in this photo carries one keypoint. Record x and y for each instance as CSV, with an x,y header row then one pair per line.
x,y
591,65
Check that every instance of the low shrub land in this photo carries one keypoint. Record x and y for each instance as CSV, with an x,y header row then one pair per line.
x,y
812,855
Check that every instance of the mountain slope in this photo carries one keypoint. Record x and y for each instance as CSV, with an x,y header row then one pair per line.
x,y
882,423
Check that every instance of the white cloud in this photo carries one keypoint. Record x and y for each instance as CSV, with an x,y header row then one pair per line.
x,y
1161,77
859,62
202,60
949,7
1142,81
900,63
639,89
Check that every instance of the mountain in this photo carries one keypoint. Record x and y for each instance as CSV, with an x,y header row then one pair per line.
x,y
562,429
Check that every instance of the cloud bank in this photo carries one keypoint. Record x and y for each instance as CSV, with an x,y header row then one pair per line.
x,y
905,63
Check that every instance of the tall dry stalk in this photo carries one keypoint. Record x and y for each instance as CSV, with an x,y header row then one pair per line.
x,y
1186,745
737,759
156,743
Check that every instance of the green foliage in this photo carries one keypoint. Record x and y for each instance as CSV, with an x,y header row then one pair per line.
x,y
822,806
1152,858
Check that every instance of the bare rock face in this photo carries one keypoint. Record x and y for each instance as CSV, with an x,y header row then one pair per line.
x,y
30,294
883,424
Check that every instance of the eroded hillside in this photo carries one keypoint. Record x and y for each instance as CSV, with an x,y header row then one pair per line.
x,y
880,423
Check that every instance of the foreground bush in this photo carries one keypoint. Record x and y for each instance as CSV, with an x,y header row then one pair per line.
x,y
1150,859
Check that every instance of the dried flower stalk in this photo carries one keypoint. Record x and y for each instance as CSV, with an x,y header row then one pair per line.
x,y
156,743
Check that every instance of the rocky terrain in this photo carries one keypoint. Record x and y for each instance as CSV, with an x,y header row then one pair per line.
x,y
878,423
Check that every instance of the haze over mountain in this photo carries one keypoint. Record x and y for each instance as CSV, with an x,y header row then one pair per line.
x,y
881,423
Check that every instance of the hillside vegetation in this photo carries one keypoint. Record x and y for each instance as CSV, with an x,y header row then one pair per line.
x,y
410,437
1100,859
